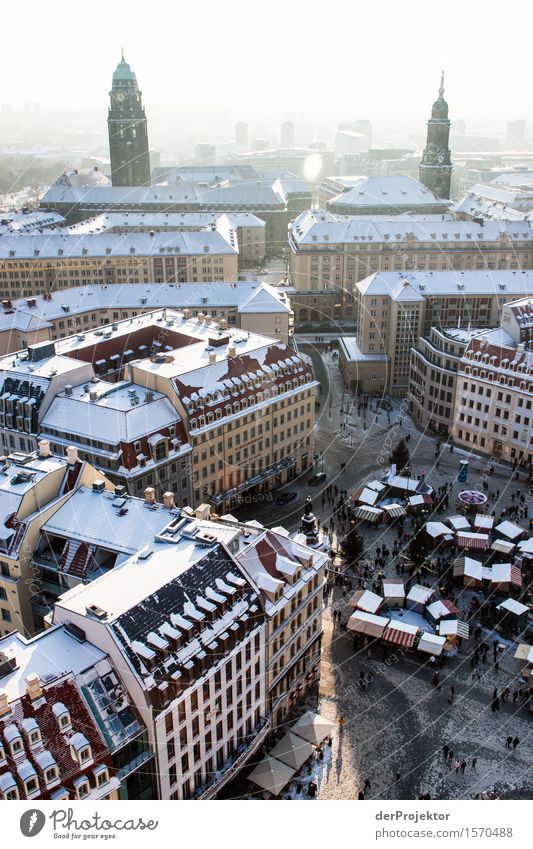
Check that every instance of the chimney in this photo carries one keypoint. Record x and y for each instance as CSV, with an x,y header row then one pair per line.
x,y
33,686
68,388
186,314
149,495
72,455
231,351
44,448
4,704
212,357
98,485
168,499
93,394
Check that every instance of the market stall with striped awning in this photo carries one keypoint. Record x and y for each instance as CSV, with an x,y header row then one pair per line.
x,y
368,514
400,633
394,510
466,540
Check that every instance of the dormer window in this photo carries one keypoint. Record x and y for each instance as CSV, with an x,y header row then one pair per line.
x,y
82,788
101,774
51,775
13,737
85,755
31,786
2,755
62,715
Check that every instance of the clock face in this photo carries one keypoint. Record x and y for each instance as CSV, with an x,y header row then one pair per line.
x,y
120,96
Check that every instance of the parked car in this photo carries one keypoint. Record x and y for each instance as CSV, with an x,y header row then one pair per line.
x,y
318,478
286,497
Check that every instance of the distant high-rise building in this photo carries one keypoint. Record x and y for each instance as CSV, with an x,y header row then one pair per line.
x,y
128,134
287,134
206,153
260,144
364,128
435,170
516,135
241,134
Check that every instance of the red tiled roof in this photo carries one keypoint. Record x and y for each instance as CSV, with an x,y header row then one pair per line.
x,y
68,693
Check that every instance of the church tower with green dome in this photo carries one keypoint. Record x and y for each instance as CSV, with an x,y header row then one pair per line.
x,y
128,134
435,170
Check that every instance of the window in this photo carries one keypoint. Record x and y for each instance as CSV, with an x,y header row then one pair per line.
x,y
85,754
6,615
82,789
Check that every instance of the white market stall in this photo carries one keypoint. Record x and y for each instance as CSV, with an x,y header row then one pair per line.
x,y
431,644
417,598
400,633
509,529
367,624
394,593
459,523
366,600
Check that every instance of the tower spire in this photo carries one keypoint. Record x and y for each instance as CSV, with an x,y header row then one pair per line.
x,y
441,89
122,52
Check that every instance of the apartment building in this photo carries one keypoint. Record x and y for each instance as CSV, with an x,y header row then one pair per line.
x,y
249,305
434,364
494,398
68,729
393,310
275,200
329,254
32,487
388,195
161,400
291,579
249,228
31,264
186,623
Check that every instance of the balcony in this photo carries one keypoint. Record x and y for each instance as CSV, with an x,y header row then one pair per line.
x,y
235,762
261,477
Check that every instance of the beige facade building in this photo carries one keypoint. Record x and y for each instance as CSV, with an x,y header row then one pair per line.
x,y
31,264
251,306
393,310
186,406
494,398
433,378
32,487
329,254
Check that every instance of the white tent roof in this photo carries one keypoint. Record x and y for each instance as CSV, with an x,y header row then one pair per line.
x,y
503,546
458,523
370,602
437,609
436,529
367,623
292,750
391,589
454,627
509,529
501,572
420,594
431,644
368,496
526,546
513,606
473,568
376,485
313,727
272,775
482,521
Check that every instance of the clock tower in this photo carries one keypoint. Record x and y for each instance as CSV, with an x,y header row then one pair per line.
x,y
128,134
435,170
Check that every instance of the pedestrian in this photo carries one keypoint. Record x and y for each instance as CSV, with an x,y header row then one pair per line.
x,y
515,742
450,696
474,762
367,785
463,766
450,756
445,750
457,764
398,775
361,795
508,742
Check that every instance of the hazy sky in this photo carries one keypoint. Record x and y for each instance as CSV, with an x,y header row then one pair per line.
x,y
378,60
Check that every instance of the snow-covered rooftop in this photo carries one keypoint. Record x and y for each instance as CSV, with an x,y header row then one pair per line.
x,y
425,284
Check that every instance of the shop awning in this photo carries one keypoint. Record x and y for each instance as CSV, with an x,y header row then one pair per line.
x,y
368,514
436,529
400,633
503,546
454,628
292,750
526,547
367,623
431,644
479,541
272,775
394,510
313,727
